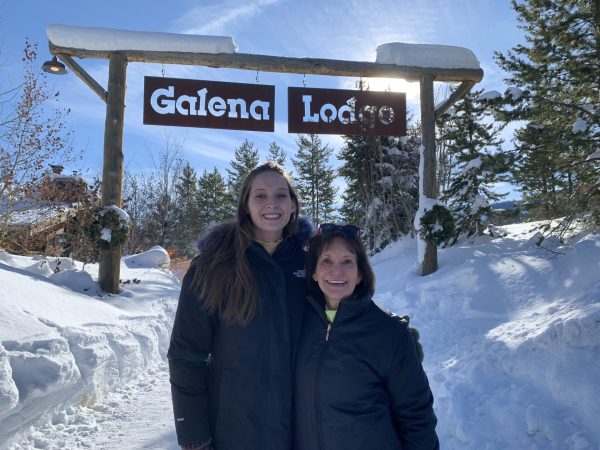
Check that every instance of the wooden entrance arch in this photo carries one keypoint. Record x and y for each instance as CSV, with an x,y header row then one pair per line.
x,y
114,96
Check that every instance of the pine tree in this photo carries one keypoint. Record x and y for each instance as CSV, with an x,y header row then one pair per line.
x,y
245,159
546,186
314,178
276,154
212,199
478,163
187,218
558,96
382,186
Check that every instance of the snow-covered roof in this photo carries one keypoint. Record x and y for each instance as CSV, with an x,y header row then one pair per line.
x,y
35,215
107,39
427,55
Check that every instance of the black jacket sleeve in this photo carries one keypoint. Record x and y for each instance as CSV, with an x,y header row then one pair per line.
x,y
189,350
411,397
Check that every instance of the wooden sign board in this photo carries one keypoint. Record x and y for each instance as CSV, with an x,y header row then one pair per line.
x,y
208,104
337,111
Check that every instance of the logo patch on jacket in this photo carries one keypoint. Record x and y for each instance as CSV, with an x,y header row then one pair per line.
x,y
300,273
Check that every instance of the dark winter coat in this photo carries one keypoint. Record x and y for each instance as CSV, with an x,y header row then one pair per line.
x,y
234,383
360,384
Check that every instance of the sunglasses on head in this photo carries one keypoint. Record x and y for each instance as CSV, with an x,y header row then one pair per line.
x,y
347,230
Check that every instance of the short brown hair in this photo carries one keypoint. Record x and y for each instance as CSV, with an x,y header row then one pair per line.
x,y
321,241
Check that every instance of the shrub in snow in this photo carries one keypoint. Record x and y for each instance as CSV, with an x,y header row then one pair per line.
x,y
108,228
536,239
40,267
61,263
77,280
497,231
156,257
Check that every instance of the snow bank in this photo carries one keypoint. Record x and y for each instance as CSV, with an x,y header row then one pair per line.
x,y
156,257
92,38
511,333
426,55
61,344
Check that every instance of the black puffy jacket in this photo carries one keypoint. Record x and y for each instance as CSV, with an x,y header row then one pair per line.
x,y
240,395
359,383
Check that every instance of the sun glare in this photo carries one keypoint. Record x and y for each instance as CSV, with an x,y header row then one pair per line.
x,y
396,85
389,84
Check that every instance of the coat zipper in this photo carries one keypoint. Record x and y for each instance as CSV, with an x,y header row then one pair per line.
x,y
317,389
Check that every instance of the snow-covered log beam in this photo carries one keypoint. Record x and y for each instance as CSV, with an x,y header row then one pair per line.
x,y
265,63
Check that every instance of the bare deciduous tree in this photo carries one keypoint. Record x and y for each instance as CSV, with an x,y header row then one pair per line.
x,y
33,136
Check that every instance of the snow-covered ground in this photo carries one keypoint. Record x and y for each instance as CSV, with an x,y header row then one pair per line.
x,y
511,332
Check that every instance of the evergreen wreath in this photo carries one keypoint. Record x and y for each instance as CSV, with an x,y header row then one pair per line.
x,y
107,217
437,225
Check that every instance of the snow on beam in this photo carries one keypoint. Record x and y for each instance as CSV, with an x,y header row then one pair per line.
x,y
427,56
106,39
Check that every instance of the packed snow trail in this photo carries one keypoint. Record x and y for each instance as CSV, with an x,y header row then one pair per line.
x,y
136,416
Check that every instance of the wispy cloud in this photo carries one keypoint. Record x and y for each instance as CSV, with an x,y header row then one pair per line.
x,y
217,19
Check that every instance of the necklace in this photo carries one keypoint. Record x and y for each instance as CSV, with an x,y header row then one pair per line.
x,y
269,246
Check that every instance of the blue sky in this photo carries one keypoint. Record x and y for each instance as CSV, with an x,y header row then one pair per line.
x,y
336,29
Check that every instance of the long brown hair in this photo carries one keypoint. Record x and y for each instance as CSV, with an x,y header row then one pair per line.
x,y
223,278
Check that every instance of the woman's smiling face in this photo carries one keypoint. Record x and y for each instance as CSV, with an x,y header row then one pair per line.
x,y
270,206
337,272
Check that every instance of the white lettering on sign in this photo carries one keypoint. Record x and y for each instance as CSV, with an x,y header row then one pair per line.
x,y
166,107
346,113
232,102
163,101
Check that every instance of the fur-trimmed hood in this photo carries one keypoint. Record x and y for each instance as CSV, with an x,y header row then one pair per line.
x,y
222,233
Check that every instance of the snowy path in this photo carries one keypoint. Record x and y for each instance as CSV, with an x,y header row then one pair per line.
x,y
135,416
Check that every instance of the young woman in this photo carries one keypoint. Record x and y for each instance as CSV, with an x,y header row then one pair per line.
x,y
359,380
238,322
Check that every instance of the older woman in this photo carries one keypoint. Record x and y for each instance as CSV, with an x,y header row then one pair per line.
x,y
359,381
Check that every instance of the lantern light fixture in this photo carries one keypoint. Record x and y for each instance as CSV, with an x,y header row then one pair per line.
x,y
54,66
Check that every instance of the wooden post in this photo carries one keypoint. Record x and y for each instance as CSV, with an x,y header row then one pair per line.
x,y
429,263
112,172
